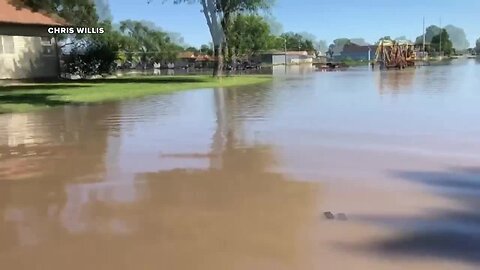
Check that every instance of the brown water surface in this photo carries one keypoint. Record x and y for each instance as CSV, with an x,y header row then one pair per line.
x,y
239,178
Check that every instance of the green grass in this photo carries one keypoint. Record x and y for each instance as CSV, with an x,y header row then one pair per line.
x,y
31,97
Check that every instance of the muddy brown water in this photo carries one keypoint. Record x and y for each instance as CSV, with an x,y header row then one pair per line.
x,y
241,178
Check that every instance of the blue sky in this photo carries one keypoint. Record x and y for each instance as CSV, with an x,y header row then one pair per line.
x,y
326,19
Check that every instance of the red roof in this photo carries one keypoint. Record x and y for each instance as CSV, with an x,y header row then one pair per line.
x,y
184,55
16,14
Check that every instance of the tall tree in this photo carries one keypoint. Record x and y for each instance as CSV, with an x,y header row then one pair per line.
x,y
146,45
320,47
458,37
206,49
341,42
359,41
337,46
442,43
248,35
275,43
430,32
296,42
385,38
219,15
192,49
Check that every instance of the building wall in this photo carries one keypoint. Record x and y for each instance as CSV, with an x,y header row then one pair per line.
x,y
279,59
30,57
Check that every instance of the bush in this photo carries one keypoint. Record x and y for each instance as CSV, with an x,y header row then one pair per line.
x,y
94,59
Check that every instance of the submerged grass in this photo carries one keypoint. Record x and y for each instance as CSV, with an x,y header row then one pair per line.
x,y
31,97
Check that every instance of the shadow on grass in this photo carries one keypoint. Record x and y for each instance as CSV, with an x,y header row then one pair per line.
x,y
40,87
444,233
65,84
35,99
8,94
182,79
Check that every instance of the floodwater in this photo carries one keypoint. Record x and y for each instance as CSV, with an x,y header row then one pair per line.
x,y
240,178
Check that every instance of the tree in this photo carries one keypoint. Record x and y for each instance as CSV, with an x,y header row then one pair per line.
x,y
341,42
95,54
359,41
206,49
430,32
192,49
442,43
337,46
477,47
145,45
296,42
248,35
275,43
385,38
458,37
219,15
174,37
320,47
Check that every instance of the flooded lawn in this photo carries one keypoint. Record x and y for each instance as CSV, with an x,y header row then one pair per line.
x,y
240,178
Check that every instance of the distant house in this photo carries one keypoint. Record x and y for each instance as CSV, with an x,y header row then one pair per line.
x,y
357,52
27,51
190,59
279,58
185,59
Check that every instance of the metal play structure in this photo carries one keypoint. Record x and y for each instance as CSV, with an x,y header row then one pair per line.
x,y
395,54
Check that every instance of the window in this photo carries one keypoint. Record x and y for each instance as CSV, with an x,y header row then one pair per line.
x,y
6,44
47,46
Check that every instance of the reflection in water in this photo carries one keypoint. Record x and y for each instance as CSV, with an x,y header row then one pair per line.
x,y
395,81
215,179
233,213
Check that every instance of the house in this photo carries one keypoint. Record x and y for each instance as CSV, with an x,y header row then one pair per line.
x,y
358,52
280,58
27,50
190,59
185,59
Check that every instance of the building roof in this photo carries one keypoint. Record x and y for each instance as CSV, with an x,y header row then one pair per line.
x,y
17,14
186,54
353,48
204,58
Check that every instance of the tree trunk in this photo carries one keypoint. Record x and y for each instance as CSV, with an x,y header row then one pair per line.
x,y
218,68
231,57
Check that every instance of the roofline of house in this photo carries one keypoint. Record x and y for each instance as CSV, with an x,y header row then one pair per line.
x,y
59,21
33,24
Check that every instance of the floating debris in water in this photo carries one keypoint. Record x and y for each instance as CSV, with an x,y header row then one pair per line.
x,y
329,215
339,216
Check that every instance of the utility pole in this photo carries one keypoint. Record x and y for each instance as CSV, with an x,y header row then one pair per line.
x,y
285,47
441,34
424,35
